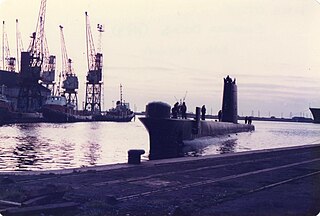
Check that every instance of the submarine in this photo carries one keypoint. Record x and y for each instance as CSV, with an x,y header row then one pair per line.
x,y
167,135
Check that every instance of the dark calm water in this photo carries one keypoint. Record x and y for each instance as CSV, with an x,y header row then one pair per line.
x,y
46,146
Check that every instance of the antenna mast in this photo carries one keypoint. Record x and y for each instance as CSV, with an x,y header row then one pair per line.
x,y
185,95
121,94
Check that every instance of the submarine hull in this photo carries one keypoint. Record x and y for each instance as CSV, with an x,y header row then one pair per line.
x,y
167,135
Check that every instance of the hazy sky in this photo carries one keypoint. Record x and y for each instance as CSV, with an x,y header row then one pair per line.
x,y
160,49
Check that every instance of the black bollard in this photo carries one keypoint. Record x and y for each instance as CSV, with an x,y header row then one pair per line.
x,y
134,156
196,125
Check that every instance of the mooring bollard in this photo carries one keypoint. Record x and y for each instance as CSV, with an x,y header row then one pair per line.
x,y
134,156
196,124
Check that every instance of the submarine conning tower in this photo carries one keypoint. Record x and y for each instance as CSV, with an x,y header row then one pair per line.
x,y
229,101
158,109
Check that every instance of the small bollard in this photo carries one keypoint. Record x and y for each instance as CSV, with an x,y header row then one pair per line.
x,y
134,156
196,123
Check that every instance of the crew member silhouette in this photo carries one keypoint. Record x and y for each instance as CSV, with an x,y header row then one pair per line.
x,y
220,115
183,110
203,112
175,110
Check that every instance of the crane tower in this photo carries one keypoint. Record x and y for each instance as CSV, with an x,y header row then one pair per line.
x,y
70,83
94,75
32,65
19,44
8,61
48,69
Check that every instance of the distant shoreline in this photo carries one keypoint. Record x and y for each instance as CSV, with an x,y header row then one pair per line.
x,y
293,119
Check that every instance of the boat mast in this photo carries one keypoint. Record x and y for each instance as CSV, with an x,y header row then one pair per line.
x,y
120,94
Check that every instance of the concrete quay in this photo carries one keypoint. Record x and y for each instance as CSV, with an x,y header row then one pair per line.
x,y
282,181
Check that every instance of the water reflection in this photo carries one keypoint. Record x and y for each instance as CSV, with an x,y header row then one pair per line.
x,y
92,153
25,154
55,146
216,145
26,151
228,146
36,146
63,153
92,148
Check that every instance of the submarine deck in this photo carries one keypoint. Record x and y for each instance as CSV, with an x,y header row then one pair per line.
x,y
282,181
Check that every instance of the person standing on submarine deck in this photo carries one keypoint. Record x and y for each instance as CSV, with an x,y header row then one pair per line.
x,y
220,115
203,112
175,110
183,111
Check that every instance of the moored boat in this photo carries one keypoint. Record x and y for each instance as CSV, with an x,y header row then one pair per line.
x,y
56,109
5,109
9,116
120,113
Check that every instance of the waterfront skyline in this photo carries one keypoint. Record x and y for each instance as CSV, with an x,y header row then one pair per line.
x,y
160,50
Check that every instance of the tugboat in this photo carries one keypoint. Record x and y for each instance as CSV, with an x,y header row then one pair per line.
x,y
56,109
120,113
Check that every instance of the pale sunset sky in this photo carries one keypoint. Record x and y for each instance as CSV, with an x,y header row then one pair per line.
x,y
160,49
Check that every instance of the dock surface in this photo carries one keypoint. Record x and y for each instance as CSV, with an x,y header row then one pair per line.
x,y
270,182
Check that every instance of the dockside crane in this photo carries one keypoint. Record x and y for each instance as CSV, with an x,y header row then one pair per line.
x,y
33,68
8,62
94,75
70,83
100,29
19,44
48,68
